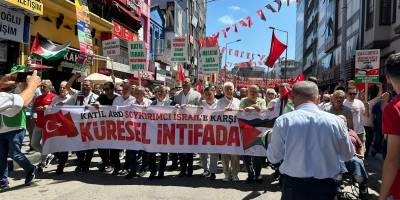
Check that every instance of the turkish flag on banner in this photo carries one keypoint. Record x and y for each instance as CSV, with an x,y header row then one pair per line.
x,y
261,14
59,124
181,73
249,21
277,48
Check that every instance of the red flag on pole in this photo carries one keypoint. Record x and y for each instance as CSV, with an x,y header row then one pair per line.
x,y
269,6
261,14
235,28
249,21
277,48
181,73
279,4
299,78
243,23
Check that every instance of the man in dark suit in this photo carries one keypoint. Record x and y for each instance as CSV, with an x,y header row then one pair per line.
x,y
186,97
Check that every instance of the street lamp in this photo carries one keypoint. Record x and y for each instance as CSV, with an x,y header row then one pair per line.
x,y
226,50
287,45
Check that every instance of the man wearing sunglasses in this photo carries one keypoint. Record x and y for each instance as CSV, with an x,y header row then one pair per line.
x,y
358,111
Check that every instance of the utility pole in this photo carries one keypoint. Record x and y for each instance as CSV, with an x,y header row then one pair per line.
x,y
342,70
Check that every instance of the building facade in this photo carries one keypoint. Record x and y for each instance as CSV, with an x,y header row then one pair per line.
x,y
182,18
329,41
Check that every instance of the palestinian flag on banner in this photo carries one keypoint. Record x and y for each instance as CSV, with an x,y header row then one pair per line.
x,y
44,48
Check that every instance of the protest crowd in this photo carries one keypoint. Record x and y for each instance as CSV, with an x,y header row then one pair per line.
x,y
318,138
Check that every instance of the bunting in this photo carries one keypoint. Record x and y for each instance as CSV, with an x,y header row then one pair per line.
x,y
235,28
269,7
279,4
249,21
261,14
243,23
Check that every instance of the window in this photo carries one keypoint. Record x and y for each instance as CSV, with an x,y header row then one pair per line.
x,y
394,11
369,22
385,12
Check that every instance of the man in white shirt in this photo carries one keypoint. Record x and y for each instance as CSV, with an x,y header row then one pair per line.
x,y
230,163
210,168
358,110
11,105
310,143
125,99
63,96
84,97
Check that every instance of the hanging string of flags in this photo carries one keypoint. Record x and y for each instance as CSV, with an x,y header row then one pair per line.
x,y
245,23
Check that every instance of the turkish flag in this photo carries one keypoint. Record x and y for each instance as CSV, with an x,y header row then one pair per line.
x,y
243,23
277,48
199,86
181,73
299,78
249,21
261,14
279,4
269,6
58,124
235,28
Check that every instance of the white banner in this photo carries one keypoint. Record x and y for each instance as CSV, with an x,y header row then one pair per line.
x,y
156,129
14,26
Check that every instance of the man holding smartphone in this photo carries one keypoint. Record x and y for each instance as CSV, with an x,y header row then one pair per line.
x,y
11,105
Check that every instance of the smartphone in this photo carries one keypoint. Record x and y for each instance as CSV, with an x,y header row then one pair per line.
x,y
21,76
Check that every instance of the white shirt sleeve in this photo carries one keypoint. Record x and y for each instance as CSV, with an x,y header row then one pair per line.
x,y
10,104
276,149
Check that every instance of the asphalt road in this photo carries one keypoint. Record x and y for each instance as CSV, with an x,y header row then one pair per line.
x,y
96,185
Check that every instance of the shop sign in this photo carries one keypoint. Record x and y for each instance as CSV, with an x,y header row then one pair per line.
x,y
32,6
137,56
209,61
84,32
179,50
14,26
121,32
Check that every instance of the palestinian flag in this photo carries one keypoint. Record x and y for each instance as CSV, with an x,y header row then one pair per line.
x,y
253,131
44,48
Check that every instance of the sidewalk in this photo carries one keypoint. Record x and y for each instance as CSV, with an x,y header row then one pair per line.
x,y
33,156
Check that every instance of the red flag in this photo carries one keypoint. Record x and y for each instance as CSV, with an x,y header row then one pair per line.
x,y
299,78
261,14
243,23
277,48
225,31
181,73
223,50
237,53
269,6
285,92
59,124
230,51
199,86
235,28
249,21
279,4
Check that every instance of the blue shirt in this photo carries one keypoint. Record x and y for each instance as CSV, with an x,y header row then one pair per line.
x,y
310,142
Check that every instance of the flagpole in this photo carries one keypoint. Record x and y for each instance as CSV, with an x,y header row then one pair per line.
x,y
287,45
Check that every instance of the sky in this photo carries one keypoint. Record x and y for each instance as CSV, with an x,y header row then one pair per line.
x,y
257,39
